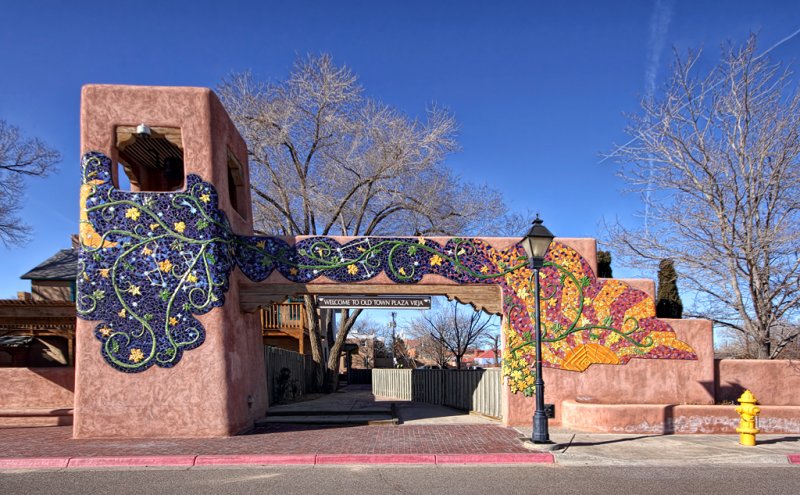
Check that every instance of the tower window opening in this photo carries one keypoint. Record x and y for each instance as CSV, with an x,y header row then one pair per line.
x,y
150,162
236,183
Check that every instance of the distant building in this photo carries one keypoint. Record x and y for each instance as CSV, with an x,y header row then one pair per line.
x,y
486,359
54,278
38,328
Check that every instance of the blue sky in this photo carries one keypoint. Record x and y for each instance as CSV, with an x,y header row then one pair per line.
x,y
539,88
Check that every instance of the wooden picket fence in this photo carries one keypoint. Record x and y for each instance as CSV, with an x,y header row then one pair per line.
x,y
468,390
289,375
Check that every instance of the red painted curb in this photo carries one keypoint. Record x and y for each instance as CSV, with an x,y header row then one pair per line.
x,y
794,458
503,458
278,459
34,462
376,459
132,461
264,460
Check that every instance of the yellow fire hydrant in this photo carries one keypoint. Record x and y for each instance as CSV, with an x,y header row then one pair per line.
x,y
747,419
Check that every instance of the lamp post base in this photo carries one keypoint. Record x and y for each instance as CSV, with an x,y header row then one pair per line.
x,y
541,433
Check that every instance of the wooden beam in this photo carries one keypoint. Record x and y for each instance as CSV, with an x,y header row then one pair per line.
x,y
485,297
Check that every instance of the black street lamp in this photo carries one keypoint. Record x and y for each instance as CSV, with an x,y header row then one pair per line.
x,y
536,242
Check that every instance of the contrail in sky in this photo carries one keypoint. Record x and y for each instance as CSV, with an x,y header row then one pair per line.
x,y
659,24
780,42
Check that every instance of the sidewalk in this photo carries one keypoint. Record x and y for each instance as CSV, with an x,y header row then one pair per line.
x,y
592,449
425,434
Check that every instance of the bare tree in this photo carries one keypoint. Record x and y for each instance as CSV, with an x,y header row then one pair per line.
x,y
717,161
327,161
455,327
495,343
19,157
428,349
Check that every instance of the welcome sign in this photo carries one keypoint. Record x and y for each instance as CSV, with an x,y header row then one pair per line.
x,y
374,302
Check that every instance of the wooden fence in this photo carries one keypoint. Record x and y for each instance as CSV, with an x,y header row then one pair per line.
x,y
469,390
289,375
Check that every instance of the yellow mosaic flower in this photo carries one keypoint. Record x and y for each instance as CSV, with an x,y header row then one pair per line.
x,y
146,251
484,269
134,290
421,241
191,278
352,269
165,266
104,272
402,271
436,260
122,313
105,331
132,213
180,227
293,271
153,226
361,249
261,244
136,355
205,198
173,321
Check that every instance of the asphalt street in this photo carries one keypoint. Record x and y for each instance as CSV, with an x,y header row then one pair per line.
x,y
462,480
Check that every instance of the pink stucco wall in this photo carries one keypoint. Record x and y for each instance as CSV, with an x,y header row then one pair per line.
x,y
656,397
641,381
776,383
656,419
41,388
206,394
36,396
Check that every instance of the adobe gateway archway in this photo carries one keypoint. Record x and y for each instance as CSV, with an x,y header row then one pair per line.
x,y
169,278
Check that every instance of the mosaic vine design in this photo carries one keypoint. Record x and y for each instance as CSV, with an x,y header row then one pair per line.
x,y
151,262
584,321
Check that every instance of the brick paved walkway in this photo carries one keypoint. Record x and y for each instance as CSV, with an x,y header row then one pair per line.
x,y
274,439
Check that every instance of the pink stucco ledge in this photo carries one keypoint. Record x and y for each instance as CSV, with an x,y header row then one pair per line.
x,y
672,418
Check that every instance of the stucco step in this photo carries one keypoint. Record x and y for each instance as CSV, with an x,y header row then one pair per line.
x,y
300,411
335,419
30,417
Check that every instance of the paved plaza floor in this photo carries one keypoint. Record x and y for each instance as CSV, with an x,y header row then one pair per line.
x,y
422,434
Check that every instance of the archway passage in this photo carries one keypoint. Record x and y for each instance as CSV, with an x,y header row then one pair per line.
x,y
165,257
163,345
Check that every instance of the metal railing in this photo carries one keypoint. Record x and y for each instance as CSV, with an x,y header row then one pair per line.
x,y
469,390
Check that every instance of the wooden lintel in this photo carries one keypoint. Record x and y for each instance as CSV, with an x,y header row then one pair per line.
x,y
481,297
